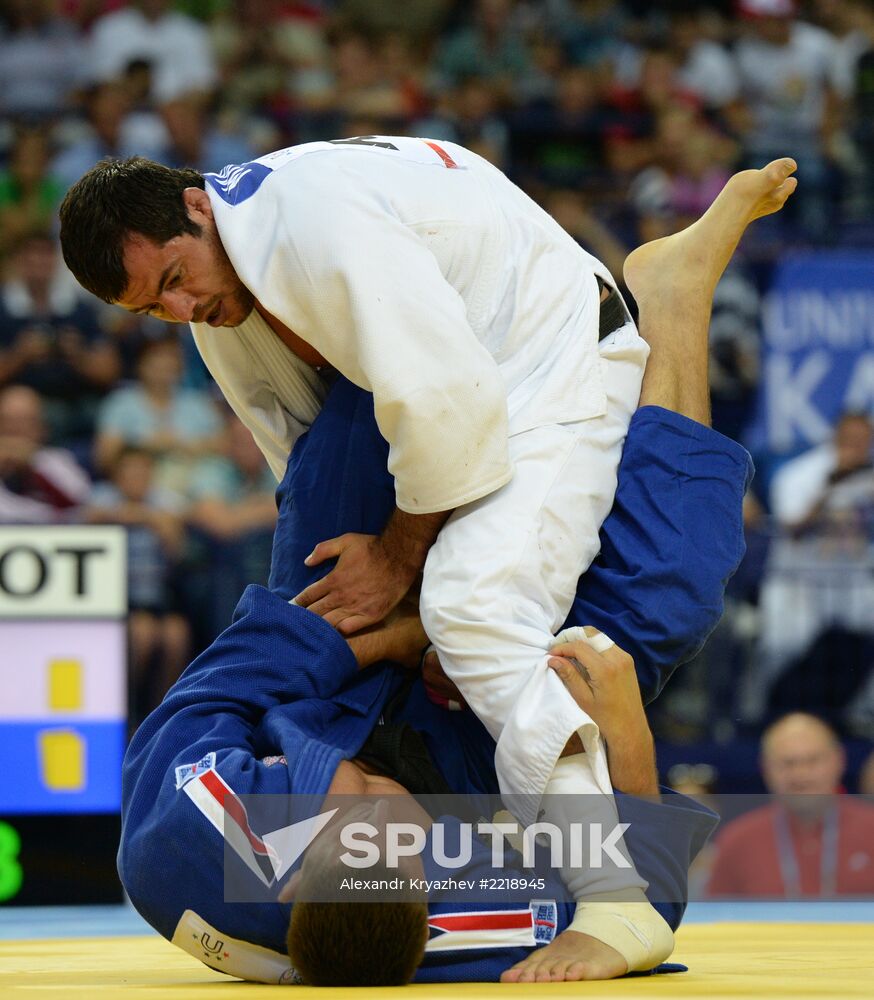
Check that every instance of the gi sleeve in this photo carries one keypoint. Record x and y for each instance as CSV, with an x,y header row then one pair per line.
x,y
273,653
351,278
198,752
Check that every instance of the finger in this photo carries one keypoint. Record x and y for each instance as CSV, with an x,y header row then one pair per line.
x,y
584,661
354,622
588,658
314,592
578,687
329,549
326,605
335,616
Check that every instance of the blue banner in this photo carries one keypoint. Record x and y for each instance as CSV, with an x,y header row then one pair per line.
x,y
818,349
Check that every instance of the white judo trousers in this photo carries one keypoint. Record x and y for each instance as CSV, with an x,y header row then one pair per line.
x,y
501,578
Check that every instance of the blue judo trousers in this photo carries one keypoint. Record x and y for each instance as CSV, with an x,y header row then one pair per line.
x,y
276,702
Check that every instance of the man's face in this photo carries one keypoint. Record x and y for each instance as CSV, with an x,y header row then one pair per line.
x,y
133,477
35,263
188,279
802,760
21,415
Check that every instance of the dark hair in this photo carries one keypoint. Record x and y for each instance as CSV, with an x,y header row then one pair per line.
x,y
114,199
357,944
354,943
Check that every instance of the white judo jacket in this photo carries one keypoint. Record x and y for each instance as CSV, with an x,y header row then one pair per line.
x,y
422,274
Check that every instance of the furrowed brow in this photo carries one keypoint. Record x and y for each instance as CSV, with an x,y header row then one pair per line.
x,y
162,281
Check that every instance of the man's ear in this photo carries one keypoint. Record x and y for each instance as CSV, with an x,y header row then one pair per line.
x,y
197,203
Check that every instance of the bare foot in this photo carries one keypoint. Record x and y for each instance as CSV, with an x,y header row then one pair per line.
x,y
571,957
693,260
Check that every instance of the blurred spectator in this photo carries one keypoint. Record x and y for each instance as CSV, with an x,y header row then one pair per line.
x,y
234,494
41,59
811,842
199,140
691,166
561,141
468,114
815,646
176,46
787,71
29,194
37,484
50,340
735,351
817,491
417,19
857,66
160,638
706,68
589,30
273,57
234,506
362,85
491,46
113,128
639,108
179,427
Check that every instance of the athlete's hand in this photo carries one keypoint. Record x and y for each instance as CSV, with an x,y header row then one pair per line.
x,y
364,586
603,684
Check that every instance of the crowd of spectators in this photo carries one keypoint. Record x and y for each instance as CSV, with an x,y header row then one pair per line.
x,y
622,118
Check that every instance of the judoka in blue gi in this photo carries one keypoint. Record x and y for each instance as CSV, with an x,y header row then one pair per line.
x,y
280,704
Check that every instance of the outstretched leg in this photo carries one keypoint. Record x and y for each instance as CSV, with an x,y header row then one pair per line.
x,y
673,281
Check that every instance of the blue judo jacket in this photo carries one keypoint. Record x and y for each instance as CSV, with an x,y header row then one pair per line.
x,y
271,708
277,701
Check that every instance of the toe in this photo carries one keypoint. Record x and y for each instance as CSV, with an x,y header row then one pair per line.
x,y
575,972
558,972
544,974
778,170
512,975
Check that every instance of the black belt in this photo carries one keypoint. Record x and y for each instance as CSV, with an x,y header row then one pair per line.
x,y
614,315
398,751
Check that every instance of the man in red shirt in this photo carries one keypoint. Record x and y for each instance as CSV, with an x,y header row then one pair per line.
x,y
811,841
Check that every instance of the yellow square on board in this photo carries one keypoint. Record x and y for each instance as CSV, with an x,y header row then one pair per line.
x,y
61,759
65,685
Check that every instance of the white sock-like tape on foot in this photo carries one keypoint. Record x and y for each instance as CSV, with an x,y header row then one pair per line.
x,y
635,929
